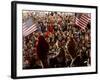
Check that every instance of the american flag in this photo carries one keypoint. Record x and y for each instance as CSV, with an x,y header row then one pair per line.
x,y
82,20
28,27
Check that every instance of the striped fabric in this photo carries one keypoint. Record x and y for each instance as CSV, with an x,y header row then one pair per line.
x,y
28,27
82,20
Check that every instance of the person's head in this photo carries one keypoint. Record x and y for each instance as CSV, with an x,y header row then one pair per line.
x,y
41,39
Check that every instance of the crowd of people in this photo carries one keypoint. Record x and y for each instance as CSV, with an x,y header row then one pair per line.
x,y
57,42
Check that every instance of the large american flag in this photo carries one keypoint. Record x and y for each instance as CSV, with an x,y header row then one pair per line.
x,y
28,27
82,20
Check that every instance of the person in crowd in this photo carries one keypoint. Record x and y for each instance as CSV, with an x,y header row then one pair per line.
x,y
42,50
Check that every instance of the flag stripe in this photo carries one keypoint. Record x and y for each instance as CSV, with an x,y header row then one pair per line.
x,y
84,18
28,27
32,28
81,25
82,21
29,30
